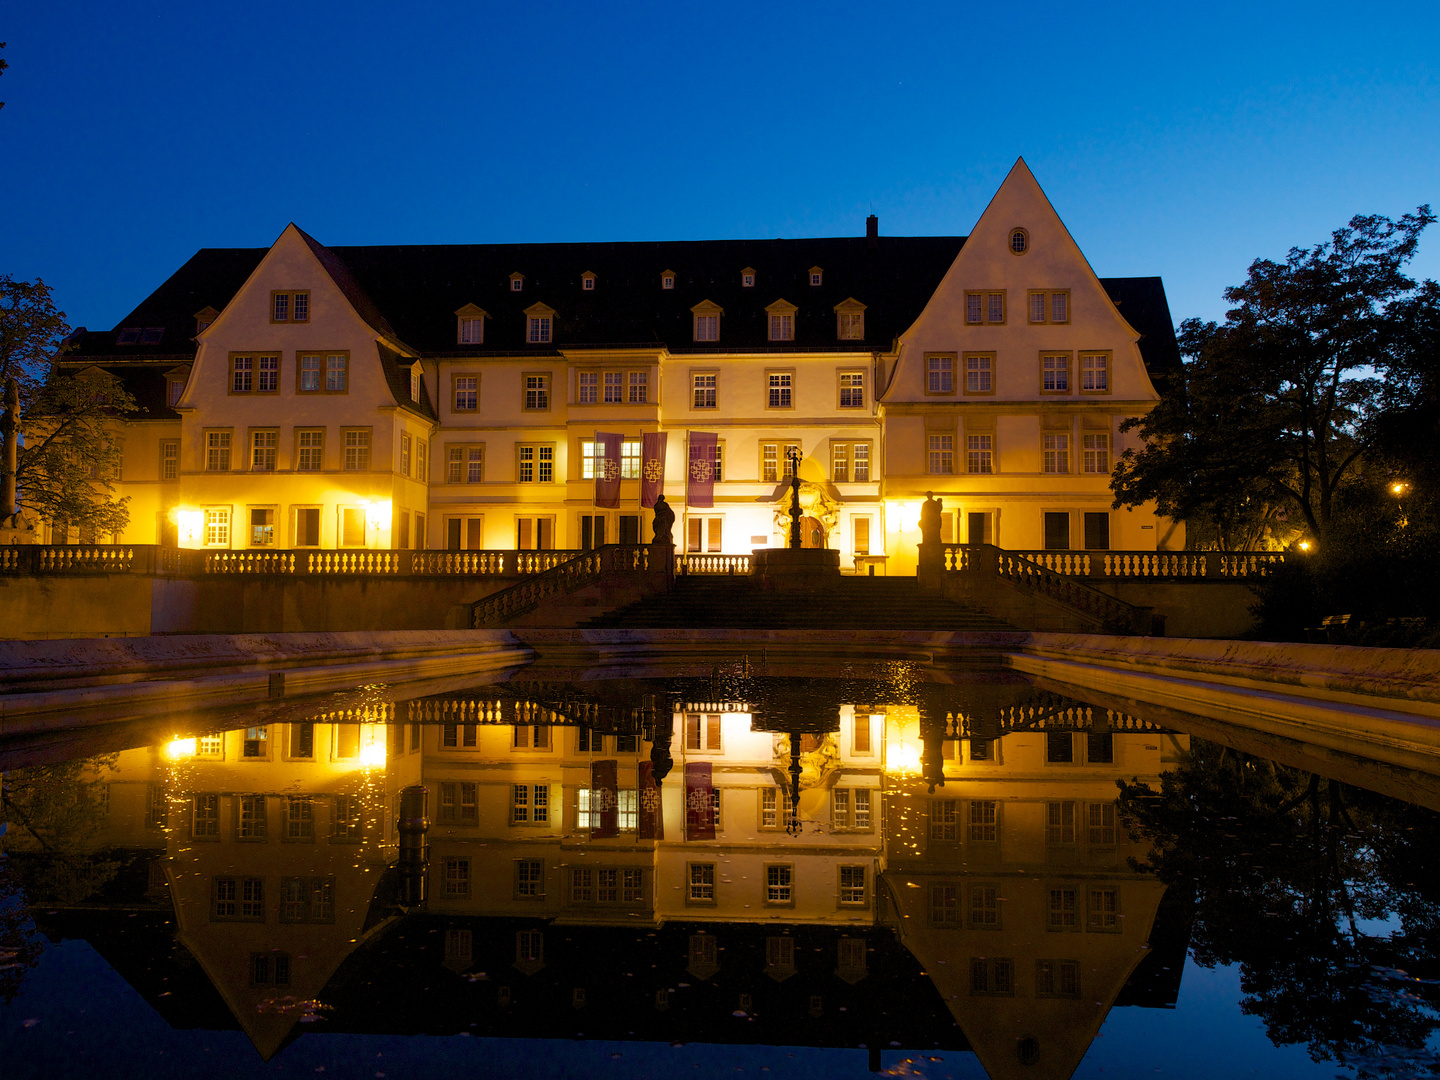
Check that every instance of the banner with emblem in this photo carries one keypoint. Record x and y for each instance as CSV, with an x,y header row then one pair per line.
x,y
604,800
652,466
699,802
652,820
607,469
700,476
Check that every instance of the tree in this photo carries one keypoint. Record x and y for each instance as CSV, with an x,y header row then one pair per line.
x,y
1276,405
70,448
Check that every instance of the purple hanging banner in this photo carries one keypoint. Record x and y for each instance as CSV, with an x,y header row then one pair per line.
x,y
607,469
652,820
652,466
604,800
699,801
700,487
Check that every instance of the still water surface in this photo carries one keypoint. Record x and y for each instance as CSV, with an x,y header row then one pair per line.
x,y
980,877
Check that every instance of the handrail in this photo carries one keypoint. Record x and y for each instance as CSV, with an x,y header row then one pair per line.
x,y
986,560
704,563
99,559
346,562
1138,565
584,569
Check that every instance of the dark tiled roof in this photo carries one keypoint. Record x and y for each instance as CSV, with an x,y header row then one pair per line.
x,y
412,292
397,376
145,380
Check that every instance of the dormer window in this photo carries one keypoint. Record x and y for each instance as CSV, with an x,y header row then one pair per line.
x,y
151,335
173,389
470,325
667,279
539,323
782,320
293,306
128,336
415,382
850,320
707,321
517,281
587,281
204,317
747,278
816,275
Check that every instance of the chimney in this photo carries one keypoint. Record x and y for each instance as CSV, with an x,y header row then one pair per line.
x,y
872,231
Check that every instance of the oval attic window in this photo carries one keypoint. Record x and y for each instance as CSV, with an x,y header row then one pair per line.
x,y
1019,241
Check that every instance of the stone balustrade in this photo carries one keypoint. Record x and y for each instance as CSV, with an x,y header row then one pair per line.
x,y
1134,565
707,563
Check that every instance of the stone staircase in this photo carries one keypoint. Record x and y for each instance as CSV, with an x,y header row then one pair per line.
x,y
852,603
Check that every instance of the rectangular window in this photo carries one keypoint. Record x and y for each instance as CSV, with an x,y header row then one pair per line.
x,y
264,446
465,464
299,818
346,822
537,393
979,373
782,327
267,374
850,325
1057,530
1102,911
1055,373
702,883
535,464
945,906
1095,373
852,885
217,451
1097,531
944,820
242,374
310,367
467,393
404,454
852,390
311,451
992,977
850,808
861,463
984,910
302,742
169,459
982,824
779,884
539,330
707,327
1059,748
1101,824
1096,449
262,526
290,306
472,331
1060,823
779,387
238,899
1050,306
984,308
459,803
979,456
357,450
1100,748
457,878
703,386
775,461
614,387
1057,978
1056,457
217,528
1062,911
639,383
205,817
174,389
587,387
840,462
530,804
702,732
942,454
772,800
940,374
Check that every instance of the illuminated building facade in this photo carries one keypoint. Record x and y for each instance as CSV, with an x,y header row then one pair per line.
x,y
450,396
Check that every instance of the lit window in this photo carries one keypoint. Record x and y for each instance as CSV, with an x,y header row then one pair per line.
x,y
1097,452
942,454
979,454
779,386
852,390
217,528
536,463
940,374
1057,454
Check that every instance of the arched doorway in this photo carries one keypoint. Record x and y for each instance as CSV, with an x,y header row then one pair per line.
x,y
812,533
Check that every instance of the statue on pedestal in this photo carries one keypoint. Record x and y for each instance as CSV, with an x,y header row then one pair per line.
x,y
664,523
930,519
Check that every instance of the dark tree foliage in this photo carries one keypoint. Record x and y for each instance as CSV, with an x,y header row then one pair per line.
x,y
1275,406
1282,868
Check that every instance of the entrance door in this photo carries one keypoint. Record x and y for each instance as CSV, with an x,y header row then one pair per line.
x,y
592,531
464,533
535,533
812,533
1057,531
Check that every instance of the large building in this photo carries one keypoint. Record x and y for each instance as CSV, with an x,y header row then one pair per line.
x,y
449,396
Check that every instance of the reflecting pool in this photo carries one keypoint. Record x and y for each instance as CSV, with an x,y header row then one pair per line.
x,y
738,869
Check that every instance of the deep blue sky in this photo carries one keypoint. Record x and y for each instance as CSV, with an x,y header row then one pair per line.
x,y
1180,141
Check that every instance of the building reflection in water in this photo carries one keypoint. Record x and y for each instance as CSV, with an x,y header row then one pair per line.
x,y
951,873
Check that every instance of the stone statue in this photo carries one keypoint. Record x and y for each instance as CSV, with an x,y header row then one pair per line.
x,y
664,522
930,519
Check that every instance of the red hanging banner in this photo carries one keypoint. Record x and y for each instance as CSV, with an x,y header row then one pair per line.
x,y
604,800
699,802
700,474
652,466
652,819
607,469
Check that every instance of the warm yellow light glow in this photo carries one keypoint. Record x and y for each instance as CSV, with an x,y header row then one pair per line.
x,y
178,749
373,756
1399,487
1304,545
377,514
189,523
902,516
902,756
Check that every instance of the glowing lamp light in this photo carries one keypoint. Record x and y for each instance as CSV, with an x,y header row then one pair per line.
x,y
189,524
1304,545
180,749
377,514
373,756
904,515
1399,487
